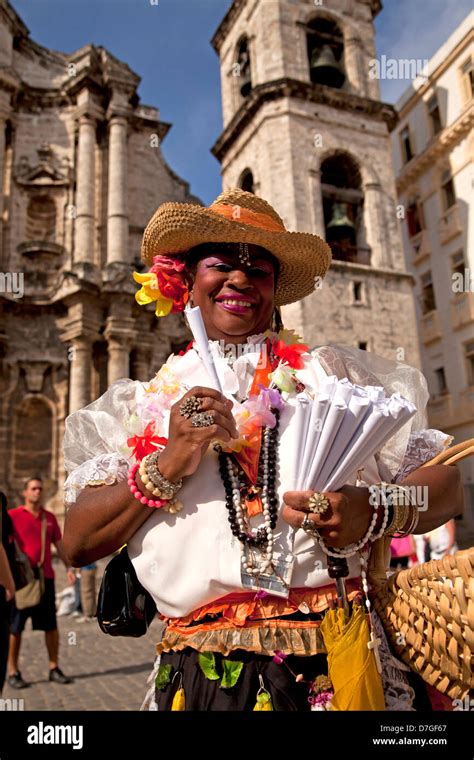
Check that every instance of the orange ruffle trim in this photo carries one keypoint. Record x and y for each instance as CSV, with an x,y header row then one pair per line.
x,y
257,625
239,608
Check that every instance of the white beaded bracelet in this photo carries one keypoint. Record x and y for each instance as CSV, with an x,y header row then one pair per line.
x,y
352,549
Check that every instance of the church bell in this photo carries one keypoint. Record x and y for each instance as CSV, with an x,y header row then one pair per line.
x,y
340,227
325,69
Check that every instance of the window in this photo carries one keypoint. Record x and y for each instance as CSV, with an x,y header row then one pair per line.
x,y
343,198
246,181
428,301
441,380
357,290
415,222
363,345
458,264
434,114
325,47
469,355
241,68
407,152
447,190
467,78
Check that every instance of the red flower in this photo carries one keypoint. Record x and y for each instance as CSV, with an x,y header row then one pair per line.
x,y
172,286
168,264
146,443
290,354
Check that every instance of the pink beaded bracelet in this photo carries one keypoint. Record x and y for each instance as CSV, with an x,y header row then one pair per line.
x,y
138,494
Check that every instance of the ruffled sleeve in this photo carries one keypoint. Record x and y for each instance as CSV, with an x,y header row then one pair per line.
x,y
95,440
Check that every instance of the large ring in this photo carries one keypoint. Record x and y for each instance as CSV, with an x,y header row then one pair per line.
x,y
202,419
318,503
309,527
189,406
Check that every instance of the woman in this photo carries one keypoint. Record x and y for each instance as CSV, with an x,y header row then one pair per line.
x,y
241,588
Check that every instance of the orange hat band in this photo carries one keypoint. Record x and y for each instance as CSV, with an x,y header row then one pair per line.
x,y
238,213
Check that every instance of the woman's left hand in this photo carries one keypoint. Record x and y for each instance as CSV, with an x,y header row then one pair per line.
x,y
345,521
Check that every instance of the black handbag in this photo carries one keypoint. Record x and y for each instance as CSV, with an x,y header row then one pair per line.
x,y
124,607
22,572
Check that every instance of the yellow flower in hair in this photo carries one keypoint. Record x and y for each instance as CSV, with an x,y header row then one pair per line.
x,y
150,292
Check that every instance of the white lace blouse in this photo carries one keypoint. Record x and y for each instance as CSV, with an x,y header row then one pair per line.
x,y
191,558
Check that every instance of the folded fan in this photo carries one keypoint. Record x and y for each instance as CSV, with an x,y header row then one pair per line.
x,y
345,424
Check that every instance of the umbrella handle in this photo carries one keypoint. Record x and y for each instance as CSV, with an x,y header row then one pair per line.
x,y
339,569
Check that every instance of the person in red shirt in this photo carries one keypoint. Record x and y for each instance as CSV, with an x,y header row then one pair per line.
x,y
26,521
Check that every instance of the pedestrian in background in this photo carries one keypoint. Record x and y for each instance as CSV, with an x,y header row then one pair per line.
x,y
7,585
27,520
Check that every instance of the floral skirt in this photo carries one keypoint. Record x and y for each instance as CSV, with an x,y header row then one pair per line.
x,y
259,675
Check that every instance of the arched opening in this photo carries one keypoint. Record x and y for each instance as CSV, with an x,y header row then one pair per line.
x,y
242,68
246,181
325,44
343,200
41,219
33,439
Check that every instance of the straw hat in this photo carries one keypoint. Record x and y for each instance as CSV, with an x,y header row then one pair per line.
x,y
237,216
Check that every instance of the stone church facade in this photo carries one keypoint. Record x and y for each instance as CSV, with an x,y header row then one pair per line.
x,y
82,174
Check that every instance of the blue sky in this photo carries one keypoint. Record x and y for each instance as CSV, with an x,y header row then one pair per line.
x,y
167,45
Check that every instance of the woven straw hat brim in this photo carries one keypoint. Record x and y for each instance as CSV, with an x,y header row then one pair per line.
x,y
176,227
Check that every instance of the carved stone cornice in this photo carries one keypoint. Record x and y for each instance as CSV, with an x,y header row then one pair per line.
x,y
47,172
83,320
442,144
313,93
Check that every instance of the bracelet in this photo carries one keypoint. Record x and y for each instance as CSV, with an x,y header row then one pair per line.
x,y
169,505
411,527
138,494
352,549
154,481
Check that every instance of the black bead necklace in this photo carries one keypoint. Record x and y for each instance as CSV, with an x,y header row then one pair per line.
x,y
237,489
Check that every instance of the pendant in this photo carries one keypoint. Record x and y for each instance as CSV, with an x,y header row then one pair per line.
x,y
275,580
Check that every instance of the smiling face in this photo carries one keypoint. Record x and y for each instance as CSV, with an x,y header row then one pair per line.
x,y
236,299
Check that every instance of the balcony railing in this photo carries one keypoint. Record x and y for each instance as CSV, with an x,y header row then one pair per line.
x,y
462,309
450,224
430,327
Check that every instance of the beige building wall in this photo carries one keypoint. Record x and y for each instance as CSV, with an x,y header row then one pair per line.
x,y
438,237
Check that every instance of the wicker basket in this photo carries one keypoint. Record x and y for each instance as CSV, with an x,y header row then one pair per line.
x,y
428,610
428,615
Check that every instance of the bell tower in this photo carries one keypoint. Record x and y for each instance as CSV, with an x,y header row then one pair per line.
x,y
305,129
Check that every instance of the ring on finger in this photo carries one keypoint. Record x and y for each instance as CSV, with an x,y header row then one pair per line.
x,y
309,527
318,503
202,419
189,406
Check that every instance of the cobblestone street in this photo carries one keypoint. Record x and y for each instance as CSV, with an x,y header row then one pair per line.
x,y
109,672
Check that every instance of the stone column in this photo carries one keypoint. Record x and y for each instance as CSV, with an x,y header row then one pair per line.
x,y
2,169
376,232
80,354
353,65
85,192
316,203
117,214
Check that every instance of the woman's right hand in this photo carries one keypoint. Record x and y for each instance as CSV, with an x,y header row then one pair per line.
x,y
187,444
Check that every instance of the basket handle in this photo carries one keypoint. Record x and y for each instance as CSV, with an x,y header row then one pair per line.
x,y
453,454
